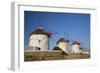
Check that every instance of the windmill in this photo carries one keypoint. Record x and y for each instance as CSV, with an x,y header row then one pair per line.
x,y
40,38
82,45
71,42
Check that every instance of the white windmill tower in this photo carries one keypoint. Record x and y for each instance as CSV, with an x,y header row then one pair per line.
x,y
39,40
63,43
75,47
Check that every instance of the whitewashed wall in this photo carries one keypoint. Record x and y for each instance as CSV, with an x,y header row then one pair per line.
x,y
75,48
39,40
63,45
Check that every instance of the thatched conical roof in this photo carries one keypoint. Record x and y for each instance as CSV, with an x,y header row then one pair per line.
x,y
39,30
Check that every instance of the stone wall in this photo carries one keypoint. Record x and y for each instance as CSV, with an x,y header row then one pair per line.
x,y
52,55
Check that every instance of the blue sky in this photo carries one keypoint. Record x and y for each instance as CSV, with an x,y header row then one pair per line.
x,y
77,24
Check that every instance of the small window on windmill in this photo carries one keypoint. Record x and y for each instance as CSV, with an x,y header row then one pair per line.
x,y
39,41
